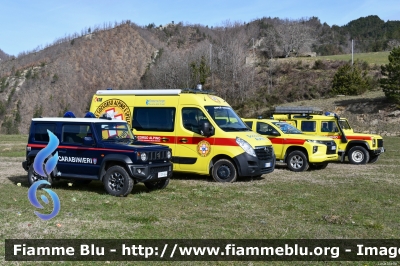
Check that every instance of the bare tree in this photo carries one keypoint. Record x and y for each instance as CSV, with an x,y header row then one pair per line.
x,y
295,36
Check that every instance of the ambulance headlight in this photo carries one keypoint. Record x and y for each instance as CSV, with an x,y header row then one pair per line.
x,y
246,146
143,156
169,155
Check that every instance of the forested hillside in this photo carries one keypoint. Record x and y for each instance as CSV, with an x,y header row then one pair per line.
x,y
240,62
3,55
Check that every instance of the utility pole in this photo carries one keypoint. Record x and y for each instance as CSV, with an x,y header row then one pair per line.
x,y
352,52
212,80
254,58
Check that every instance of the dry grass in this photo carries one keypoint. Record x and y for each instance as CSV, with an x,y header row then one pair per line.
x,y
341,201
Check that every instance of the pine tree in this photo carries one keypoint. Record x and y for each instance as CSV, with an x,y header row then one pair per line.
x,y
390,83
351,80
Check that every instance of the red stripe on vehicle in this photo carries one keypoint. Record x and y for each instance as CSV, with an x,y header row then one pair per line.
x,y
77,148
282,141
187,140
360,137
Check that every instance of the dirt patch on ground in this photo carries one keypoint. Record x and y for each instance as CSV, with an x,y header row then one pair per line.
x,y
11,170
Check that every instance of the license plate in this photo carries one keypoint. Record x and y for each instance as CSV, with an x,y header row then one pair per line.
x,y
267,165
382,149
162,174
333,147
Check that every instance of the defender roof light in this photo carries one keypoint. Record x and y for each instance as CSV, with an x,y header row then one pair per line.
x,y
298,110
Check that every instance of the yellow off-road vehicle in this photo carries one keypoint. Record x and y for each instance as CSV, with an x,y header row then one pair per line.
x,y
359,148
293,147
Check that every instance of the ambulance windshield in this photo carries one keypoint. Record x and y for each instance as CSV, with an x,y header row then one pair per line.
x,y
226,118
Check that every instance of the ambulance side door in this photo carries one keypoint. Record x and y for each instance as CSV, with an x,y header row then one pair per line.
x,y
194,150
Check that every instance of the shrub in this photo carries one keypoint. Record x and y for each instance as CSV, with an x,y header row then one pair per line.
x,y
319,64
350,80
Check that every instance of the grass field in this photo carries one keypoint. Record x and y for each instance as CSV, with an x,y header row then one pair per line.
x,y
378,58
342,201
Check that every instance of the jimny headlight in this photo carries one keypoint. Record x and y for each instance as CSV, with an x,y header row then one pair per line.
x,y
143,156
245,146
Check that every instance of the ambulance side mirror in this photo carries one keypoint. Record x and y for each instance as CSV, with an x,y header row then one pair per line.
x,y
206,129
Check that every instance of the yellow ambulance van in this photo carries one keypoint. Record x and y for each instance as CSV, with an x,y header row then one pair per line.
x,y
204,132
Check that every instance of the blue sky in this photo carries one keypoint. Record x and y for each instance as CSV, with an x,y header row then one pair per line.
x,y
27,24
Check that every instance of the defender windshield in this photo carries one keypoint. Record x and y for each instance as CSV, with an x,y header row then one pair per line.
x,y
344,124
287,128
113,131
226,118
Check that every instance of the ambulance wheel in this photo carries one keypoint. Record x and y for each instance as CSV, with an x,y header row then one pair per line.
x,y
33,177
117,182
224,171
297,161
160,184
358,155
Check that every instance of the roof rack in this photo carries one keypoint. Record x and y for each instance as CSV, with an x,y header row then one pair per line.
x,y
298,110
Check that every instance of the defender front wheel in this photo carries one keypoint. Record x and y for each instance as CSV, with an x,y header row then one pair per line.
x,y
224,171
358,155
117,182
